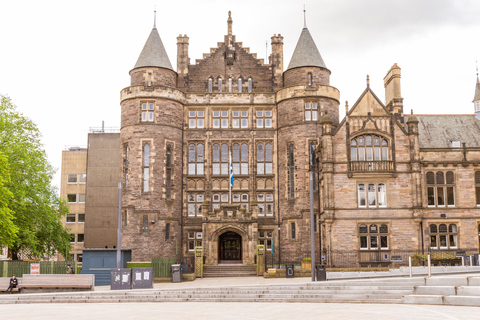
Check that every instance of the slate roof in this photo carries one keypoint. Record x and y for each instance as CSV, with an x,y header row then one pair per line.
x,y
153,53
306,53
436,131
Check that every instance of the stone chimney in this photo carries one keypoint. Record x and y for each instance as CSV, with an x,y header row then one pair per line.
x,y
277,61
393,94
182,59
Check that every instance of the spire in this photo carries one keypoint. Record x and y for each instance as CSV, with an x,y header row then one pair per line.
x,y
304,17
153,53
155,18
477,90
306,53
229,23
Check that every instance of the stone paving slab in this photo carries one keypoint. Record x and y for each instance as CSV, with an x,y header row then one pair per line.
x,y
238,311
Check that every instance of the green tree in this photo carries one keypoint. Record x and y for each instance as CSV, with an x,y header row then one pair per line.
x,y
34,206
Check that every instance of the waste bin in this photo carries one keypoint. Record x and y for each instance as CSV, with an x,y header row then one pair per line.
x,y
321,273
176,273
120,279
290,271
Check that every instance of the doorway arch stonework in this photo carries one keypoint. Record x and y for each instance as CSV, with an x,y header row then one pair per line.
x,y
247,231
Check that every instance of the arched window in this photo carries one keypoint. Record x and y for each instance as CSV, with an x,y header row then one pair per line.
x,y
210,84
240,159
220,159
309,78
264,158
230,80
195,159
219,84
443,236
440,188
477,187
249,84
373,238
369,148
291,172
146,167
168,185
239,84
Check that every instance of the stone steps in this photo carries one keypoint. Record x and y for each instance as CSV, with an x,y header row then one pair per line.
x,y
463,291
229,270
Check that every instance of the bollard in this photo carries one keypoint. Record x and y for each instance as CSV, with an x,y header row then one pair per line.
x,y
429,267
410,265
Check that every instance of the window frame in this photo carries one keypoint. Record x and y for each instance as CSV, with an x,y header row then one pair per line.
x,y
373,239
440,181
311,111
147,111
371,189
195,200
448,234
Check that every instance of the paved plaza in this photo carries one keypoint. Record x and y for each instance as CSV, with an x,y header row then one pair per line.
x,y
219,310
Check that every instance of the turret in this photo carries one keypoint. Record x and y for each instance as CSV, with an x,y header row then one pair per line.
x,y
151,140
182,59
277,61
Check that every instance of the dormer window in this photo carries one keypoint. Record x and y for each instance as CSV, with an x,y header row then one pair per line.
x,y
455,143
370,152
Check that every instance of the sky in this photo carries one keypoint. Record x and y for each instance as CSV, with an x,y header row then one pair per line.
x,y
63,63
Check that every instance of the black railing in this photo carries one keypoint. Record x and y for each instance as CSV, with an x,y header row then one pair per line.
x,y
372,166
368,258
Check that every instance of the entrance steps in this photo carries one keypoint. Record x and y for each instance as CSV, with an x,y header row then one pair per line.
x,y
229,270
362,291
459,291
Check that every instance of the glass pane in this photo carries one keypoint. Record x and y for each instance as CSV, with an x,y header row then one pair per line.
x,y
369,154
450,196
361,195
200,153
384,153
452,228
259,123
244,167
363,229
433,228
216,113
368,140
353,142
216,153
361,141
372,199
146,175
146,154
268,168
442,228
443,241
216,168
191,153
191,168
191,113
383,228
433,241
384,242
260,152
377,154
268,152
235,123
236,153
373,242
307,105
200,113
373,228
353,153
268,123
314,116
259,113
72,178
224,168
363,242
308,116
224,123
452,241
431,196
216,123
376,140
450,177
244,157
361,154
440,177
382,195
224,152
200,169
260,168
224,114
236,168
440,196
244,123
244,113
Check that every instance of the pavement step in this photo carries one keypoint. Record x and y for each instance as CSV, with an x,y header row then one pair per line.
x,y
434,290
462,301
422,299
447,281
468,291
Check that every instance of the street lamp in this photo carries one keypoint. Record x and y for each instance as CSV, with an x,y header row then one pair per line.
x,y
312,222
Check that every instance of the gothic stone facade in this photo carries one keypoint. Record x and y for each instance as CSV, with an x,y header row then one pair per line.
x,y
383,181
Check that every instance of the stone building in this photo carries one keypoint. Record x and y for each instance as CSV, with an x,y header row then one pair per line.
x,y
385,182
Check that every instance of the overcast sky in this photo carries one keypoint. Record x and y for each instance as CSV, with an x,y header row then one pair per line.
x,y
63,63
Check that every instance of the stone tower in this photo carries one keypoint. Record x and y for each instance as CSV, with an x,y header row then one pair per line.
x,y
151,138
305,97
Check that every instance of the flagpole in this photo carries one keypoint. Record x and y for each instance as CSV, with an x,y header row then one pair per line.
x,y
231,180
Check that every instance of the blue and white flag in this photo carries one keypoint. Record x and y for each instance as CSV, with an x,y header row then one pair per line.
x,y
231,170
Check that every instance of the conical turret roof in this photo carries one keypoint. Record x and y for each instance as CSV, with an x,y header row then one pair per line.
x,y
306,53
153,53
477,91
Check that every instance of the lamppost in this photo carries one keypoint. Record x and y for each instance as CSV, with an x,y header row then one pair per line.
x,y
312,221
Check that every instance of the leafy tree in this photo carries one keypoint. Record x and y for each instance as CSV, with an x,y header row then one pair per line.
x,y
34,206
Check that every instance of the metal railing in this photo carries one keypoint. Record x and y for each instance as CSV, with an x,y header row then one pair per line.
x,y
368,258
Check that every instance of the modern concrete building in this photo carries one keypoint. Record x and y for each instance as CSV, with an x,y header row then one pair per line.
x,y
73,188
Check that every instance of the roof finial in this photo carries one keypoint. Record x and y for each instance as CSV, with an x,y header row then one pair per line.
x,y
155,17
229,22
368,81
304,17
476,62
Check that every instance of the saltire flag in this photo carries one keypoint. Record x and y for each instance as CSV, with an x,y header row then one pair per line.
x,y
231,170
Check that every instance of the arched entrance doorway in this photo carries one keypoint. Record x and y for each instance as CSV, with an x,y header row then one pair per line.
x,y
230,247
